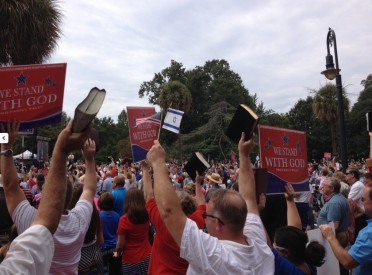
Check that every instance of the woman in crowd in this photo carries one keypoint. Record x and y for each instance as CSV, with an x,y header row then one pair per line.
x,y
110,222
293,253
133,244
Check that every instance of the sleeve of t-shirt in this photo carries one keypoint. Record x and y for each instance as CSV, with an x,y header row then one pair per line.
x,y
201,250
30,253
334,213
361,249
84,210
356,192
254,228
154,214
23,216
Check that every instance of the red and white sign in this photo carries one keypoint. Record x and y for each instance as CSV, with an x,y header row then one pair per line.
x,y
284,154
32,94
142,136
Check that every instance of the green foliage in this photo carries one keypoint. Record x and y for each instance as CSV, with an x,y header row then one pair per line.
x,y
29,30
175,95
357,136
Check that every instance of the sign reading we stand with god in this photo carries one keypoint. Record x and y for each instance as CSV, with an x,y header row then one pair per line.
x,y
284,154
32,94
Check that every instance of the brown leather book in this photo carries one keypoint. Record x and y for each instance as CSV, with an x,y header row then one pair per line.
x,y
87,110
198,163
244,120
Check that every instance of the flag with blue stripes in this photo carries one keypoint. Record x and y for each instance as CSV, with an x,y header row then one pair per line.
x,y
172,120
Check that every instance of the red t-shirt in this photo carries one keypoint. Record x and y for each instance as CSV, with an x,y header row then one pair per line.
x,y
137,246
165,256
31,183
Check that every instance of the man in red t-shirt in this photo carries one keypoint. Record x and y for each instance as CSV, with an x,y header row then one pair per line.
x,y
165,253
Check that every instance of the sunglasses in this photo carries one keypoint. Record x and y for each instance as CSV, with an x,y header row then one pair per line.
x,y
205,215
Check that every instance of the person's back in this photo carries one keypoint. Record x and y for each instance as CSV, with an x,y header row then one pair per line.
x,y
68,238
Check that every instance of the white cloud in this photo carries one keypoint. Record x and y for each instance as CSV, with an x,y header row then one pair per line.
x,y
277,47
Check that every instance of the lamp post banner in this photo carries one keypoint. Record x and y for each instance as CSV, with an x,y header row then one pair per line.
x,y
32,94
283,152
143,135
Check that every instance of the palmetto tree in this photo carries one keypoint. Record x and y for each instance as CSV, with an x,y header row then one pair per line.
x,y
175,95
29,30
325,108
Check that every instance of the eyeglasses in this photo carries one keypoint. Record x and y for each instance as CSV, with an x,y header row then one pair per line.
x,y
279,248
205,215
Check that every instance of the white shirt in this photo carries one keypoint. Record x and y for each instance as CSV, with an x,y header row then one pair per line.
x,y
30,253
68,238
209,255
356,193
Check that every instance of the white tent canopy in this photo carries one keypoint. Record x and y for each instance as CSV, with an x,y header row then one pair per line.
x,y
26,155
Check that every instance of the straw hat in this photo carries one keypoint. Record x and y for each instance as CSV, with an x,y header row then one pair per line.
x,y
215,177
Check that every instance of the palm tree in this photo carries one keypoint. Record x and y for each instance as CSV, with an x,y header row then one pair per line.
x,y
325,108
175,95
29,30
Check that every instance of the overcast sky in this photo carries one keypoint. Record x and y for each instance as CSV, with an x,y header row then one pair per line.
x,y
278,47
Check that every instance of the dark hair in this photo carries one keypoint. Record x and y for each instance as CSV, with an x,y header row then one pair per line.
x,y
295,241
94,226
134,206
231,208
355,173
106,201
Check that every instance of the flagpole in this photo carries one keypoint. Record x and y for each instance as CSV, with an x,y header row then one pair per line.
x,y
161,118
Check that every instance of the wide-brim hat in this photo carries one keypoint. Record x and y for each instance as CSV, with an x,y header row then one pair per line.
x,y
215,177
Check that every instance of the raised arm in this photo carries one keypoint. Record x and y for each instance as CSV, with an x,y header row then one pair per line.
x,y
54,190
90,179
293,217
13,193
247,187
167,201
199,197
146,181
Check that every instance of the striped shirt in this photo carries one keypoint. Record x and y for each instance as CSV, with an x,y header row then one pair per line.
x,y
69,237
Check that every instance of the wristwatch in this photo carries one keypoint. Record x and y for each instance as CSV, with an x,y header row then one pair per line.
x,y
7,153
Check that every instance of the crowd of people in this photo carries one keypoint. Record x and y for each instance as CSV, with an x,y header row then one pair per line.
x,y
78,217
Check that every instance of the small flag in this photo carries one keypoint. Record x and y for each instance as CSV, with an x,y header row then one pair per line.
x,y
154,119
172,120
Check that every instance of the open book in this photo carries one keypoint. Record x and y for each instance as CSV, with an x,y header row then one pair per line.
x,y
244,120
198,163
86,111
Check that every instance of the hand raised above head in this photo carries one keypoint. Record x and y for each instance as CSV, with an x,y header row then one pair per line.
x,y
289,192
156,154
245,147
12,128
68,141
89,149
145,165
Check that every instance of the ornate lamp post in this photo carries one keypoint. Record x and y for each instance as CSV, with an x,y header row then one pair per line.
x,y
331,73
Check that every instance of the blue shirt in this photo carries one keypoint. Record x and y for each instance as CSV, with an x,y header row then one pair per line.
x,y
336,209
361,250
110,221
284,266
107,184
119,197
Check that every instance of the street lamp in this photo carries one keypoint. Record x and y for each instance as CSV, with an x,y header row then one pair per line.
x,y
331,73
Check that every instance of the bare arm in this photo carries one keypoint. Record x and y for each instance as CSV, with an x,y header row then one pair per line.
x,y
119,246
247,187
199,197
146,181
90,179
166,199
13,193
54,190
293,217
341,254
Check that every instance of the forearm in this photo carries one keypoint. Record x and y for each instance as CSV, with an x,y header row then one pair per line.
x,y
293,217
90,179
147,185
168,202
247,187
199,197
341,254
50,210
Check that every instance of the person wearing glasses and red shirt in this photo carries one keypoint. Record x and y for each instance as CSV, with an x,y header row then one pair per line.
x,y
236,243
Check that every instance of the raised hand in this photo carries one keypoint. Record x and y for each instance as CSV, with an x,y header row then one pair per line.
x,y
89,149
12,128
156,154
289,192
